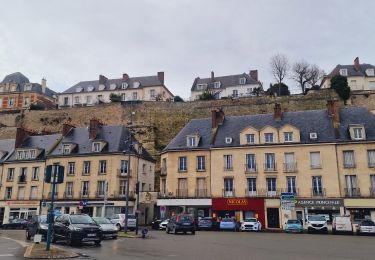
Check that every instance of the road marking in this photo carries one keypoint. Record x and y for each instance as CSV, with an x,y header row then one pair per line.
x,y
17,241
7,255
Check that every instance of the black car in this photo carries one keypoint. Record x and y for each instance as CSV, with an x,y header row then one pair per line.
x,y
183,222
76,229
155,224
37,225
17,223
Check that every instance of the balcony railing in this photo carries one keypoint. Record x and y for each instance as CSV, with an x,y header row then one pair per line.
x,y
182,193
22,179
270,167
352,192
228,168
316,166
86,173
349,165
371,164
49,195
372,192
68,195
252,168
123,173
290,167
318,192
251,193
201,193
100,194
102,171
163,171
84,194
122,195
203,169
7,197
228,193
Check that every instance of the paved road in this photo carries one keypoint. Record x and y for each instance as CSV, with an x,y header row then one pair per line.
x,y
230,245
10,250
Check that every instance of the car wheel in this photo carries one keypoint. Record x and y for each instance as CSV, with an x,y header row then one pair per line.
x,y
28,237
70,241
118,227
167,230
174,230
115,237
98,243
193,232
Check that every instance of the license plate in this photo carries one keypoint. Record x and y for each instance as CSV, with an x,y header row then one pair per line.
x,y
91,235
186,224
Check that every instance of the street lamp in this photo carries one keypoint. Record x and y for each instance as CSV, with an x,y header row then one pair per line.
x,y
127,182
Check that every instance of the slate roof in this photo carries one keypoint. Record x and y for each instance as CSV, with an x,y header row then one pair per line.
x,y
309,121
352,71
146,81
226,81
115,136
22,81
43,142
6,147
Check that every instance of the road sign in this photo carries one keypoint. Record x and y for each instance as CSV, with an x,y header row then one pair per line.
x,y
58,170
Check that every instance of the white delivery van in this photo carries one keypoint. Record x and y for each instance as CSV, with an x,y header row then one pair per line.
x,y
342,224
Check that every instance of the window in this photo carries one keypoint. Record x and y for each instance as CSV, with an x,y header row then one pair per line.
x,y
201,163
182,164
66,149
351,186
96,147
10,174
123,166
122,188
35,174
271,187
1,102
250,163
252,186
344,72
182,190
23,175
228,187
32,154
86,167
291,184
152,93
124,85
89,99
289,164
288,137
349,161
123,97
69,189
144,168
26,101
217,84
28,87
228,162
85,189
228,140
191,141
66,101
250,138
235,93
8,193
372,185
33,192
76,100
20,155
371,158
21,193
102,166
370,72
270,164
201,86
101,189
315,162
135,96
201,188
317,187
71,168
242,81
11,102
268,137
358,133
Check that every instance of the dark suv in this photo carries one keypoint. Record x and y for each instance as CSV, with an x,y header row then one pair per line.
x,y
37,225
76,229
183,222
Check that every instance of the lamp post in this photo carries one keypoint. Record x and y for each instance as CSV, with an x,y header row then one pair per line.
x,y
127,184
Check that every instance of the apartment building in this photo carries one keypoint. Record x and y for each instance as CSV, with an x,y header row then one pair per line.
x,y
96,161
360,76
239,165
230,86
17,92
90,93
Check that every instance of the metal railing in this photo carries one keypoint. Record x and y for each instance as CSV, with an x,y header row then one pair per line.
x,y
182,193
270,167
68,195
290,167
203,169
350,165
251,168
123,173
352,192
84,194
122,195
316,166
22,179
372,192
102,171
163,171
85,173
229,193
100,194
228,169
201,193
318,192
251,193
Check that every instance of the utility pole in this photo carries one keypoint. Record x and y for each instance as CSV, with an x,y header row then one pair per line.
x,y
105,198
137,188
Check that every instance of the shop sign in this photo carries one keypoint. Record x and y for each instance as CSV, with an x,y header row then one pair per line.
x,y
241,202
288,201
329,203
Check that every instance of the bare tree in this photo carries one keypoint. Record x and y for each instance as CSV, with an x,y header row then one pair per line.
x,y
316,75
301,74
279,67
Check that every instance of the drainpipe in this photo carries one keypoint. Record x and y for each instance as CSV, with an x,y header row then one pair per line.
x,y
338,174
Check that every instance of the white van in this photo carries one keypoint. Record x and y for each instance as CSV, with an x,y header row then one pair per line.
x,y
342,224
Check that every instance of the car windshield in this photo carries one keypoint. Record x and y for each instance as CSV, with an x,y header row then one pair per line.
x,y
317,218
102,221
206,219
131,216
186,218
227,220
43,219
81,219
293,221
368,223
251,220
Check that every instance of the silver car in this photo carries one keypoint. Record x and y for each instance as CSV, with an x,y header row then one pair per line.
x,y
109,230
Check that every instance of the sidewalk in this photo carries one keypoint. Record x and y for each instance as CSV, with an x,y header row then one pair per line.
x,y
38,251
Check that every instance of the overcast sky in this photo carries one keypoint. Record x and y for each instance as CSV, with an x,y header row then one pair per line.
x,y
71,40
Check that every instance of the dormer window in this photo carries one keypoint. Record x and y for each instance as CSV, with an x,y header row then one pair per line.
x,y
201,86
79,89
101,87
344,72
250,138
32,154
192,141
28,87
288,137
242,81
66,149
228,140
217,84
96,147
370,72
90,88
268,137
136,84
357,132
112,86
124,85
20,155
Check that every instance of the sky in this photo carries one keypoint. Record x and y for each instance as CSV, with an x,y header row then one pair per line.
x,y
76,40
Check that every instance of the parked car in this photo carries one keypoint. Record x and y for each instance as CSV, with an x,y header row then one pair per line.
x,y
293,226
163,224
251,224
119,221
207,223
183,222
366,227
155,224
229,224
17,223
317,223
342,224
109,230
76,229
37,225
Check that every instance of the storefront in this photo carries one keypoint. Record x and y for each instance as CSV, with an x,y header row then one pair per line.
x,y
326,207
19,209
240,208
360,209
197,207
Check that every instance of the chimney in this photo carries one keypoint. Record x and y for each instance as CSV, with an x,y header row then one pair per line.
x,y
356,64
217,117
94,126
161,76
212,75
334,112
21,135
125,77
44,85
277,112
254,74
66,128
102,79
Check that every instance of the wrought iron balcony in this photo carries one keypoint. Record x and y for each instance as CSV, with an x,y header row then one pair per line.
x,y
270,167
163,171
318,192
252,168
68,195
123,173
290,167
201,193
182,193
349,165
352,192
229,193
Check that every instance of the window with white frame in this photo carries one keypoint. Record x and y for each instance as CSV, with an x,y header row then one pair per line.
x,y
20,155
250,138
228,187
344,72
69,189
371,158
26,101
8,192
102,166
317,186
358,133
217,84
66,101
71,168
96,147
228,162
85,188
86,167
122,187
76,100
10,174
201,86
152,93
315,162
270,162
268,137
135,95
235,93
288,137
201,163
252,186
123,97
349,160
11,102
291,184
32,154
250,162
101,188
271,186
33,192
66,149
88,100
242,81
191,141
124,166
35,174
23,175
182,164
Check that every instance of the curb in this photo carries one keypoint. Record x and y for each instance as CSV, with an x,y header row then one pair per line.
x,y
61,254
